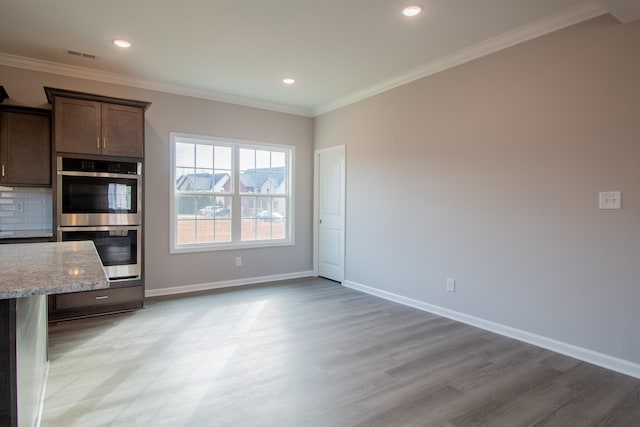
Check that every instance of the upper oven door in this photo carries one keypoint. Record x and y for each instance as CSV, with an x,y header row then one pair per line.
x,y
91,198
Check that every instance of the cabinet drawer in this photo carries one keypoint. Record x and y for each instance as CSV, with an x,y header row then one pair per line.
x,y
97,298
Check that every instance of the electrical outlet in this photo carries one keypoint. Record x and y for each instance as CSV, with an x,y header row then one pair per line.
x,y
238,261
610,200
451,285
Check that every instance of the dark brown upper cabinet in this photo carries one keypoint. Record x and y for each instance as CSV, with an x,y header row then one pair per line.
x,y
98,125
25,146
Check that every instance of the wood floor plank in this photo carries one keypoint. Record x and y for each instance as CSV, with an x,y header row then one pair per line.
x,y
310,352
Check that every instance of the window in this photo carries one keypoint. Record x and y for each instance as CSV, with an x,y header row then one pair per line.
x,y
229,194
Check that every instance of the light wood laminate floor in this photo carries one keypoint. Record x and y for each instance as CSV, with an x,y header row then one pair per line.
x,y
313,353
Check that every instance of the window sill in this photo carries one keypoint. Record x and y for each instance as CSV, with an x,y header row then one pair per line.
x,y
196,247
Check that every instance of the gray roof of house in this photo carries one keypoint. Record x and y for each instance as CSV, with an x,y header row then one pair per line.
x,y
199,181
255,178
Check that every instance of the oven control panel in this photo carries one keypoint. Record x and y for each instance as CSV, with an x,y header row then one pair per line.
x,y
101,166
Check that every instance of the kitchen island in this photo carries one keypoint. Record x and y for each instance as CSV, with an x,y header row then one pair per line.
x,y
28,273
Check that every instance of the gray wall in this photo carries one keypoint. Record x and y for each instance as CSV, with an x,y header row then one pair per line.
x,y
489,173
190,115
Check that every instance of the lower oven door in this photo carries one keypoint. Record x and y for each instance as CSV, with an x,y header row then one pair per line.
x,y
119,248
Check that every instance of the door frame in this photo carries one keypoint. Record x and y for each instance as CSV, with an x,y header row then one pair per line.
x,y
316,206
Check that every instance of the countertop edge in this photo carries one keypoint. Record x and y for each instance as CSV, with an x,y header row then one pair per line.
x,y
54,291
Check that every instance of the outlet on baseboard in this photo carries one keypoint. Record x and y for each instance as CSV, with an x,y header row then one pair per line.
x,y
451,285
238,261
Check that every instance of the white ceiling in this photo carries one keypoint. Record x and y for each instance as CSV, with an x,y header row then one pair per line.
x,y
239,50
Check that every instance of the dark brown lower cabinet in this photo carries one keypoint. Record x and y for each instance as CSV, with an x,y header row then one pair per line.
x,y
117,298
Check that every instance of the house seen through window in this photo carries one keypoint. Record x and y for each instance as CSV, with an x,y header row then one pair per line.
x,y
228,194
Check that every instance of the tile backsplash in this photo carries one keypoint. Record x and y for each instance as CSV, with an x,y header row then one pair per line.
x,y
25,209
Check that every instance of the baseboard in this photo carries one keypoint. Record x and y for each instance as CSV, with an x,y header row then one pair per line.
x,y
600,359
225,284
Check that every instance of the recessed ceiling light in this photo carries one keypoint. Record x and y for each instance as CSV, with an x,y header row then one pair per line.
x,y
121,43
288,81
412,10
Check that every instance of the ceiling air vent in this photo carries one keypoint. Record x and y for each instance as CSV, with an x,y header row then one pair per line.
x,y
78,53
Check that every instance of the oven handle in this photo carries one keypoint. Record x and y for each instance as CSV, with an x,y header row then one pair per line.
x,y
100,174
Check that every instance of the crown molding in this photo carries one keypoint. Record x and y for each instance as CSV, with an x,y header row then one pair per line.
x,y
527,32
519,35
126,80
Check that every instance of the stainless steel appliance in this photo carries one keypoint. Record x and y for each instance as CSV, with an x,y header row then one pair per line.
x,y
101,200
119,248
98,192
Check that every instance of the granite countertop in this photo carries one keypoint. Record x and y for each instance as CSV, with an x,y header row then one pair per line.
x,y
28,269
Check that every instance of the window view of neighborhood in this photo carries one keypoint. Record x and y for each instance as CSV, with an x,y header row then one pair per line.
x,y
218,184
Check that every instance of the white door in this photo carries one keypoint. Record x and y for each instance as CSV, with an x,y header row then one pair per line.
x,y
330,212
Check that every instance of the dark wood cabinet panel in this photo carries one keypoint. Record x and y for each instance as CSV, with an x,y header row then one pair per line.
x,y
96,298
97,125
122,130
77,126
91,303
25,146
89,127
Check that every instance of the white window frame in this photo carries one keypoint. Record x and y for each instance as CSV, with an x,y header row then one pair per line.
x,y
235,243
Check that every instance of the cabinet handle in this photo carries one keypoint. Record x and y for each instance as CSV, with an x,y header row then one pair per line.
x,y
103,297
104,142
98,140
2,170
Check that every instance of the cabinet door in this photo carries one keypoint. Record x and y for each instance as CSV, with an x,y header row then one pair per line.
x,y
77,126
122,130
25,149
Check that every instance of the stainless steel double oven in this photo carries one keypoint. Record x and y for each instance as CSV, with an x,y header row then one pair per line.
x,y
101,200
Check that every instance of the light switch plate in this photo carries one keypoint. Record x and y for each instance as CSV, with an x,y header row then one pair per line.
x,y
451,285
610,200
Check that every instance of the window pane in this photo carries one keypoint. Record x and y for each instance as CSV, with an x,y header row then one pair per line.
x,y
263,159
263,207
186,207
202,180
222,157
248,229
248,224
247,159
183,182
278,183
279,207
222,181
204,156
186,230
222,230
204,230
248,206
214,207
279,221
278,159
263,229
247,182
279,230
185,154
